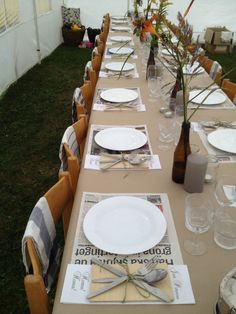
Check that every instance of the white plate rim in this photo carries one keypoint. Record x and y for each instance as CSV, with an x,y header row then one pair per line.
x,y
129,95
207,101
121,50
121,38
143,207
99,139
213,139
127,66
121,28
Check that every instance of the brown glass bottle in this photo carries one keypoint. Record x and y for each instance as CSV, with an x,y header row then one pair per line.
x,y
176,88
151,59
181,153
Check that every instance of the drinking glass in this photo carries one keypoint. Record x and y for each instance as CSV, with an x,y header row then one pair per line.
x,y
166,133
198,219
154,82
225,190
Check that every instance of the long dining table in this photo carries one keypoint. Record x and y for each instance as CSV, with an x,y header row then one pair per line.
x,y
206,271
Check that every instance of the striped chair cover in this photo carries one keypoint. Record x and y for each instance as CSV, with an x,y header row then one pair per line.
x,y
215,68
77,97
88,67
68,138
41,229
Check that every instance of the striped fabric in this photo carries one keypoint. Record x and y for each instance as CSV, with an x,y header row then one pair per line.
x,y
68,138
88,67
77,97
216,68
41,229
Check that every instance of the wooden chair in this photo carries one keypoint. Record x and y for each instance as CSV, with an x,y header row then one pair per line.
x,y
60,200
82,100
96,63
229,88
74,160
87,94
93,77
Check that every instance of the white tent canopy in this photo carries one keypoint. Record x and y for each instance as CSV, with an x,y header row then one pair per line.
x,y
37,35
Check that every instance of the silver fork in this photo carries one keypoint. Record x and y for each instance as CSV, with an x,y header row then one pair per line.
x,y
147,267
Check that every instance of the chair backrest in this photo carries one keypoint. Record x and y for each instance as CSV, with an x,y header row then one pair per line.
x,y
70,155
60,200
230,89
87,94
93,77
87,67
207,64
96,63
215,70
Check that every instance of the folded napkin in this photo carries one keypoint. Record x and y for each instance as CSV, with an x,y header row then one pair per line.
x,y
127,290
105,160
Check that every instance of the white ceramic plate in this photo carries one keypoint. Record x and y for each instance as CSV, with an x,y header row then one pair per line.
x,y
119,22
224,140
191,70
166,52
120,138
121,50
121,28
214,98
118,66
121,39
119,18
124,225
119,95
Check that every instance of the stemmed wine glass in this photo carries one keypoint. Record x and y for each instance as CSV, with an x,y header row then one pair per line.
x,y
198,219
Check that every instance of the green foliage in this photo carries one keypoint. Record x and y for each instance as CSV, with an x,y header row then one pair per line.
x,y
34,113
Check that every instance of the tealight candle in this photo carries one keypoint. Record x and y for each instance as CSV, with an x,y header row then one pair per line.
x,y
168,114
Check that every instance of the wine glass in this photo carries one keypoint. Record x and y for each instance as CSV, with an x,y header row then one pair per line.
x,y
166,133
198,219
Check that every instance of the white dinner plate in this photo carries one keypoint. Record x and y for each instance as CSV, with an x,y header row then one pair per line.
x,y
214,98
224,140
119,95
121,39
121,50
166,52
118,66
120,138
121,28
119,21
191,70
119,18
124,225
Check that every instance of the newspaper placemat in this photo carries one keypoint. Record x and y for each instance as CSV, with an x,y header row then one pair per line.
x,y
168,250
113,74
102,105
221,155
94,152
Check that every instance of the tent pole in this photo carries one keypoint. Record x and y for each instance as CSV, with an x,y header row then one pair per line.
x,y
37,31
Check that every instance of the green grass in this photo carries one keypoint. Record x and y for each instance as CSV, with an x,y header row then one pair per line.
x,y
227,61
34,112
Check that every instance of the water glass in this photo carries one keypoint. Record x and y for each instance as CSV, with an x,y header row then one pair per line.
x,y
212,169
154,82
225,190
225,228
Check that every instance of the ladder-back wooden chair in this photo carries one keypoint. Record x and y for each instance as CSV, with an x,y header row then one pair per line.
x,y
72,149
57,203
230,89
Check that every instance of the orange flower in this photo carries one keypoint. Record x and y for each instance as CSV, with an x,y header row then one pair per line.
x,y
149,28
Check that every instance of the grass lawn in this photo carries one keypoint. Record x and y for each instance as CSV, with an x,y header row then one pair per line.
x,y
34,112
228,61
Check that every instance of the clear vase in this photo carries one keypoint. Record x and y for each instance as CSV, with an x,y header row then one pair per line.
x,y
181,153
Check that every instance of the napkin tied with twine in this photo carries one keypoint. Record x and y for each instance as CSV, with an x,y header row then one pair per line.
x,y
127,291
